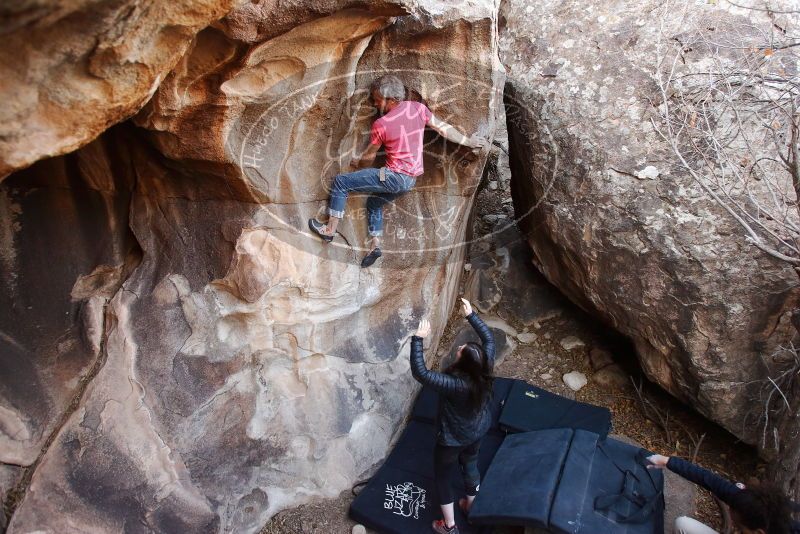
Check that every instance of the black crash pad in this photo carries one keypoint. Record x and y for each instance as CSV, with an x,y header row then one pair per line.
x,y
414,450
401,497
597,469
570,482
529,408
397,501
521,482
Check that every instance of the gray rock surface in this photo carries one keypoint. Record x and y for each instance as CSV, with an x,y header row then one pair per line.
x,y
571,343
611,377
503,337
600,358
10,476
654,258
526,337
500,271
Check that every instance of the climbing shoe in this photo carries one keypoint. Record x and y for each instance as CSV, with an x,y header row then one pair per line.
x,y
370,258
317,227
440,527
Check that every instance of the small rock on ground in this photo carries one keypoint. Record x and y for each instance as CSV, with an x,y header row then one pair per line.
x,y
648,173
571,342
575,380
611,377
600,358
526,337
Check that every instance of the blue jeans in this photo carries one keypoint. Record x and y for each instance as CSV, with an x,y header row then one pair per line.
x,y
368,181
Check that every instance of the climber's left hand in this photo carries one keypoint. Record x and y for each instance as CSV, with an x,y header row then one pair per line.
x,y
424,328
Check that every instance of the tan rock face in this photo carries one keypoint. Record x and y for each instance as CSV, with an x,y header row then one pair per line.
x,y
652,255
249,367
73,68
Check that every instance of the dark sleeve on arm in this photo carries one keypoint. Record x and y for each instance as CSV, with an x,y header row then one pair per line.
x,y
439,382
721,487
485,334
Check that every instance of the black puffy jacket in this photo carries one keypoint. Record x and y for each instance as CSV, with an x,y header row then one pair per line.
x,y
459,424
721,487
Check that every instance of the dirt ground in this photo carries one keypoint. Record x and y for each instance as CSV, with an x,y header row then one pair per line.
x,y
669,427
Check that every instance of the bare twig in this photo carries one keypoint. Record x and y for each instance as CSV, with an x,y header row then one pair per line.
x,y
697,444
651,411
732,121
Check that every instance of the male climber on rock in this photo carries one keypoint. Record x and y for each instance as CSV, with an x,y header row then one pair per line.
x,y
399,130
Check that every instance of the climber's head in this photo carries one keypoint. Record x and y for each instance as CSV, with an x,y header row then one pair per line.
x,y
471,354
471,361
761,510
386,92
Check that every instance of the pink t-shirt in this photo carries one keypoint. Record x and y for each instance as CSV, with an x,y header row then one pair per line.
x,y
400,131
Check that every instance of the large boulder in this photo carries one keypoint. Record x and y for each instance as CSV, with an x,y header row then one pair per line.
x,y
647,250
244,366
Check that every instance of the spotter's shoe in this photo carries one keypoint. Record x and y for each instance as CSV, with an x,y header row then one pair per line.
x,y
440,528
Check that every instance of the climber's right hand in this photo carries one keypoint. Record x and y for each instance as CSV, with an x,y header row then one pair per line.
x,y
424,328
657,461
479,145
466,307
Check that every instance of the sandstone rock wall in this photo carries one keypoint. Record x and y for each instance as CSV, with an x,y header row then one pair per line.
x,y
243,366
73,68
66,248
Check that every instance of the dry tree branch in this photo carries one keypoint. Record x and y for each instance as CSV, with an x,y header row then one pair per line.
x,y
697,440
777,382
785,400
734,90
766,9
651,411
731,99
697,443
731,120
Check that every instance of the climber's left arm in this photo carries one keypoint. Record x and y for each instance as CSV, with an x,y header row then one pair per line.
x,y
450,133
